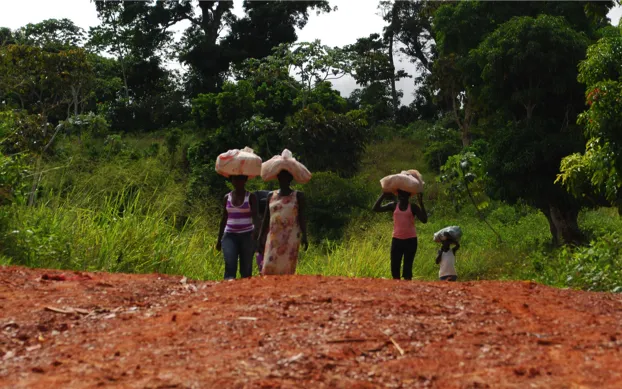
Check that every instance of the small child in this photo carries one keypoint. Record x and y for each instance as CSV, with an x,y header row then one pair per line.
x,y
446,258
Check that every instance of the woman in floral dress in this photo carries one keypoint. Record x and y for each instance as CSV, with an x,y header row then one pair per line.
x,y
284,228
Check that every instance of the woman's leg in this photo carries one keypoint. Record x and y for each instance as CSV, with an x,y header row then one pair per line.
x,y
247,249
397,251
410,250
230,251
259,261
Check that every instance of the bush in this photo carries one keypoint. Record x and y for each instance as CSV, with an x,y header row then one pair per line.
x,y
440,144
13,173
173,140
596,267
92,124
327,141
332,202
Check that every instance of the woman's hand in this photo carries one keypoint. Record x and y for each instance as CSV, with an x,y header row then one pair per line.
x,y
304,242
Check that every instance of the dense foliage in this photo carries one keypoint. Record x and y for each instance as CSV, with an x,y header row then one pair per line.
x,y
108,152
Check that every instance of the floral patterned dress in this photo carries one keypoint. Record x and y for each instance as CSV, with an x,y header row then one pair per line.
x,y
284,235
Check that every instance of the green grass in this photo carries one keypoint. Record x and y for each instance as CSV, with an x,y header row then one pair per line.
x,y
128,214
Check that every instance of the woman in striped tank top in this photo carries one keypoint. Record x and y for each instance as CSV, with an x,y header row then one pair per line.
x,y
237,234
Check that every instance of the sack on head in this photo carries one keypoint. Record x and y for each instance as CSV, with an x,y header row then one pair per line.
x,y
272,167
409,181
454,232
239,163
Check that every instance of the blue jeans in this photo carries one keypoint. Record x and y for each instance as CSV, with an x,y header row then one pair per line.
x,y
236,246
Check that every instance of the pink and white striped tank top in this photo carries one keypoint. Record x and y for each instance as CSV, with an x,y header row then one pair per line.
x,y
239,219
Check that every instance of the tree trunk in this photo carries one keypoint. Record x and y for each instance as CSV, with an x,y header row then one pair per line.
x,y
564,224
552,228
466,140
74,93
212,18
464,124
392,63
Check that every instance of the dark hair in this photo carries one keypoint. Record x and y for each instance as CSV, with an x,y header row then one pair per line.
x,y
289,175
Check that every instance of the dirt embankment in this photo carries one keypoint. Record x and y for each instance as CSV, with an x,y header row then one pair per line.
x,y
83,330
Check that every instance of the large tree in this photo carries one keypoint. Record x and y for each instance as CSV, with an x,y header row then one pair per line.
x,y
267,25
459,27
51,34
374,69
528,87
136,34
215,38
599,167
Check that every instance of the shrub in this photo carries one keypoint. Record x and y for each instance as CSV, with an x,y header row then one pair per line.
x,y
327,141
93,124
440,144
596,267
173,140
332,202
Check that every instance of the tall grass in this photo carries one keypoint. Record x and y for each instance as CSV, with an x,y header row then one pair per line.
x,y
127,214
366,253
142,238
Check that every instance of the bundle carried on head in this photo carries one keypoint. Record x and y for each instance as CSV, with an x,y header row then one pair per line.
x,y
453,232
408,180
271,168
239,163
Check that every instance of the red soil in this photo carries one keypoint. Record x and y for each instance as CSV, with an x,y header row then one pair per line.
x,y
79,330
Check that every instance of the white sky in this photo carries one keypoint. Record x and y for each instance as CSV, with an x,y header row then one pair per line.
x,y
353,19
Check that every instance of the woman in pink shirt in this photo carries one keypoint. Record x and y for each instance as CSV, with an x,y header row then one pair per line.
x,y
404,244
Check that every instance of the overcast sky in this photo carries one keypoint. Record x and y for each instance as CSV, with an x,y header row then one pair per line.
x,y
353,19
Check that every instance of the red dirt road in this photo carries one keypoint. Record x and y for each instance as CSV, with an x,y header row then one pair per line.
x,y
70,330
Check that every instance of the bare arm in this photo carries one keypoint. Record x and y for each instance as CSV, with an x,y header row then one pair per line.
x,y
263,233
378,207
223,223
254,214
456,247
420,211
302,221
438,256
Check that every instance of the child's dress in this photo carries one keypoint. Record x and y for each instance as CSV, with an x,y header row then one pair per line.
x,y
448,262
284,235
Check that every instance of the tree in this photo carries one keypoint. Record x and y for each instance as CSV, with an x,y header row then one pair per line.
x,y
6,37
41,81
459,27
311,62
528,83
465,175
136,34
599,167
409,31
375,99
122,34
374,68
51,34
327,141
215,37
268,24
409,22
